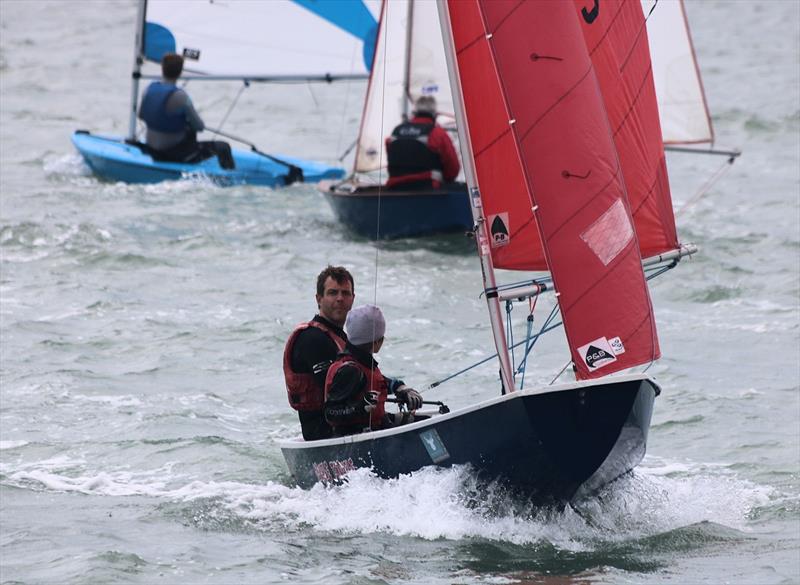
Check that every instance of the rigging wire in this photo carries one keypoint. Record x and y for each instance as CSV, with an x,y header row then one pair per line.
x,y
245,85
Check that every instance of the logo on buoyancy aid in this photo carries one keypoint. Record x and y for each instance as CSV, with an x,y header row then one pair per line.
x,y
597,353
498,228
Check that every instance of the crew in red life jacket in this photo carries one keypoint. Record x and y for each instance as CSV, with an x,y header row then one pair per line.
x,y
355,389
313,346
421,154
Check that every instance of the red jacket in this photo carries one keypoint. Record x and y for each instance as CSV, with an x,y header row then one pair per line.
x,y
303,392
420,150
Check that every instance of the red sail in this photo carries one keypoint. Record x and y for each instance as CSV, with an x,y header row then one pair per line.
x,y
616,38
546,163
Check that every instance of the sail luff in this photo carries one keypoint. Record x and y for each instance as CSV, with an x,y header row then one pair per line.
x,y
482,235
138,58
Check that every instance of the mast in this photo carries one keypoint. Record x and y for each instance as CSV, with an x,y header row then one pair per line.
x,y
137,66
484,248
407,71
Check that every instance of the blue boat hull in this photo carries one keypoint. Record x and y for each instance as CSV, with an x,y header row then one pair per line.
x,y
112,159
378,213
551,446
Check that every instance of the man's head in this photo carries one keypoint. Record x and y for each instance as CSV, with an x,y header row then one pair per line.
x,y
425,106
171,65
366,327
335,294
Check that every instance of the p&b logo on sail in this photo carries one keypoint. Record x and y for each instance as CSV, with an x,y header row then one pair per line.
x,y
600,352
498,230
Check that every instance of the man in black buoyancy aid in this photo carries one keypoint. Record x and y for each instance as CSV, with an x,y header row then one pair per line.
x,y
355,389
421,154
313,346
173,123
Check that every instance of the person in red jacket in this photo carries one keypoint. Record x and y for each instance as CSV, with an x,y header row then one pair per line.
x,y
355,389
421,154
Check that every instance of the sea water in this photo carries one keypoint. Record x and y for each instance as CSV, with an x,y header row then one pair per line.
x,y
141,395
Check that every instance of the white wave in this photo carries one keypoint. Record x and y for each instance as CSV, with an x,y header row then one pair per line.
x,y
12,444
444,503
66,165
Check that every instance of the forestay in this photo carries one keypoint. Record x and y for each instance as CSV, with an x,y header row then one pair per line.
x,y
278,39
409,62
681,100
545,144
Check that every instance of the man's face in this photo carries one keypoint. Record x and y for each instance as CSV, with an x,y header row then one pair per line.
x,y
336,301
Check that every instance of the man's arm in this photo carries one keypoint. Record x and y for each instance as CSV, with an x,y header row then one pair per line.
x,y
180,101
447,153
313,353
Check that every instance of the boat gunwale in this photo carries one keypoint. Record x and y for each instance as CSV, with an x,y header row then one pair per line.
x,y
298,442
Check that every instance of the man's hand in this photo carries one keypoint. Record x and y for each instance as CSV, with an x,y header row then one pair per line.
x,y
410,397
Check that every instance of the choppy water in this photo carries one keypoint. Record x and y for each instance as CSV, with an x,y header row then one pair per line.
x,y
142,330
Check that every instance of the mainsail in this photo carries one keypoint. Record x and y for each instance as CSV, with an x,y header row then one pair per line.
x,y
681,100
549,156
279,39
409,62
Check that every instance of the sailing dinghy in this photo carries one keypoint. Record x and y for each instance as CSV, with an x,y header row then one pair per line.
x,y
277,41
566,171
409,62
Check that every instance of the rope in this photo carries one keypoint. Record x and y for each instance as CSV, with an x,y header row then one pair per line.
x,y
707,186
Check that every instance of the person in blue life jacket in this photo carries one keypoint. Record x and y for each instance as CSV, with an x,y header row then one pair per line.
x,y
420,153
173,123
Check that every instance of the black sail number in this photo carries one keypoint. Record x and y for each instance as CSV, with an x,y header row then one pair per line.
x,y
591,15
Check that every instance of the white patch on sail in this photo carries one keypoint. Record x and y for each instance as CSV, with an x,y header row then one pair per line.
x,y
597,353
610,233
616,345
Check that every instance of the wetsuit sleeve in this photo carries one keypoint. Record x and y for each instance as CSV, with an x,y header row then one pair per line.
x,y
180,100
313,352
347,383
394,384
440,142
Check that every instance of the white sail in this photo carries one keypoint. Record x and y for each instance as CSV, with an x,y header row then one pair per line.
x,y
416,48
681,101
276,39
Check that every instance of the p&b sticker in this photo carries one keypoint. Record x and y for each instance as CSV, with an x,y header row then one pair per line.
x,y
599,353
498,230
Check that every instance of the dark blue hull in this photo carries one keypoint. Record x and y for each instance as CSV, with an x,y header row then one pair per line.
x,y
551,446
379,214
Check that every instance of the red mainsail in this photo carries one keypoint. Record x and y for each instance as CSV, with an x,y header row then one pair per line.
x,y
546,163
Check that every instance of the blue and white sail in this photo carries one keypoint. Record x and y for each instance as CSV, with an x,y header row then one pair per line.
x,y
263,41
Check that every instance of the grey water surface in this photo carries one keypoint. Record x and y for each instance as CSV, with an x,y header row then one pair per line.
x,y
141,392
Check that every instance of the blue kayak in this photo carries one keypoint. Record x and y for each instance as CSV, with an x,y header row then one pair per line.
x,y
114,159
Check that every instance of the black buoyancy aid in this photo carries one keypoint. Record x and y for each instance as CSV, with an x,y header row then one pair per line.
x,y
344,403
408,151
302,389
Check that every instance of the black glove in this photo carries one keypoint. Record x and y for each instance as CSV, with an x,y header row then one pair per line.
x,y
410,397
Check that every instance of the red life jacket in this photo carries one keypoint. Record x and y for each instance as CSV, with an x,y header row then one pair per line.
x,y
303,392
350,412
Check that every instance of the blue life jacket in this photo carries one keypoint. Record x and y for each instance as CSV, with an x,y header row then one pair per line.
x,y
154,109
